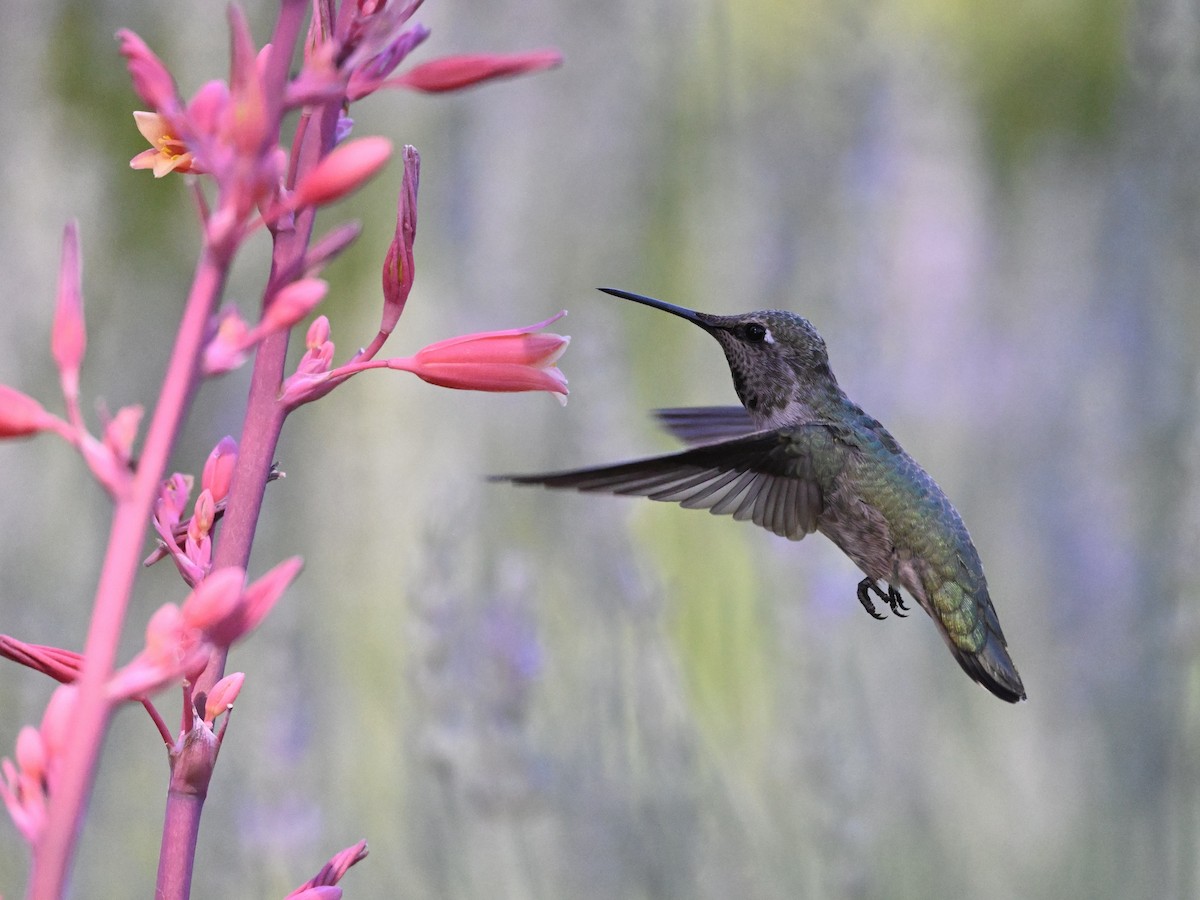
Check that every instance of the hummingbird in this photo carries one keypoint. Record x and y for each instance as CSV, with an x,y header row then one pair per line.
x,y
800,456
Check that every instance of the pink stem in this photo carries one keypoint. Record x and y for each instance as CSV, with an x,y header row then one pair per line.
x,y
121,563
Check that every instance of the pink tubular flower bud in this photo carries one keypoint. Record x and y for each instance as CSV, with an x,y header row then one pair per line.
x,y
120,432
57,720
331,246
317,335
222,695
203,516
331,873
68,338
261,596
229,347
344,170
453,73
292,303
214,602
513,360
150,77
20,414
398,270
218,468
246,122
31,752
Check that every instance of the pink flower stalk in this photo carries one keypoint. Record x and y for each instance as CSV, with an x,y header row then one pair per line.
x,y
453,73
68,338
513,360
343,171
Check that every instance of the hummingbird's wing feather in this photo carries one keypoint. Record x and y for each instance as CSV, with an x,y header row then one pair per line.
x,y
705,424
764,477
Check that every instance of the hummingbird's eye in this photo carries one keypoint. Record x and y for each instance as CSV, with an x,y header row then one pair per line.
x,y
756,333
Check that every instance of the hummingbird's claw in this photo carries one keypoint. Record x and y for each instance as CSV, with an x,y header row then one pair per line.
x,y
864,597
896,602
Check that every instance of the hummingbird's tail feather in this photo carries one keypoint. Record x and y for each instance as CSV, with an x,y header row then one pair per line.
x,y
993,668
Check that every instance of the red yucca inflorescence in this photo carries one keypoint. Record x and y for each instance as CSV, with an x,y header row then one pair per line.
x,y
245,178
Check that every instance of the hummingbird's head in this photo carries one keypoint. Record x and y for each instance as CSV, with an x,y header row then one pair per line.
x,y
779,363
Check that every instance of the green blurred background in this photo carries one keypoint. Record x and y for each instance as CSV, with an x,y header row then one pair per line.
x,y
990,210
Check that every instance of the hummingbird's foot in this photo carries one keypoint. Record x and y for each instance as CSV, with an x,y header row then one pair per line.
x,y
864,597
896,602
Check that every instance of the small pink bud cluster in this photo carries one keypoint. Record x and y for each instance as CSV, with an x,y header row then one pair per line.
x,y
188,541
27,782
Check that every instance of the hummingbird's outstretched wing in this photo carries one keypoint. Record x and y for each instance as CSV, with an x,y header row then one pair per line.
x,y
705,424
765,477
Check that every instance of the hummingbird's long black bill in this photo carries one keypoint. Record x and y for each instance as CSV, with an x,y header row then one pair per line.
x,y
683,312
